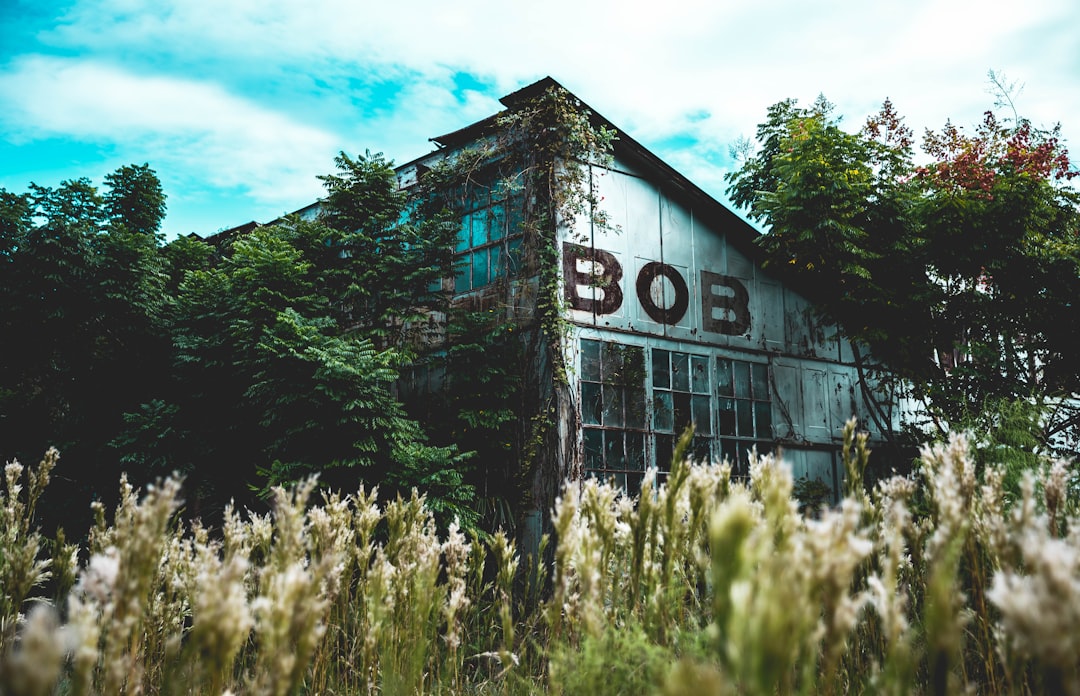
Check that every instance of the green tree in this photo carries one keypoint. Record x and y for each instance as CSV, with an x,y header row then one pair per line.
x,y
135,199
287,340
82,316
958,269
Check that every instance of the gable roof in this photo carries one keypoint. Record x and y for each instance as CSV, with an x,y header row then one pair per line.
x,y
673,184
670,181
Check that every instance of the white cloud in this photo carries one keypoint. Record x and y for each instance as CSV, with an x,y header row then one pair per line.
x,y
195,126
653,69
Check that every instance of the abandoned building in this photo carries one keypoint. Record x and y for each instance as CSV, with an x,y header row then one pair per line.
x,y
666,319
639,306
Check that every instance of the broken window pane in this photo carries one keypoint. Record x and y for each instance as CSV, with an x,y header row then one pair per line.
x,y
614,458
727,416
723,378
663,415
590,361
613,409
680,372
699,374
590,403
681,403
661,370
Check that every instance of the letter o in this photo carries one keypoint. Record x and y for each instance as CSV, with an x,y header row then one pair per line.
x,y
664,315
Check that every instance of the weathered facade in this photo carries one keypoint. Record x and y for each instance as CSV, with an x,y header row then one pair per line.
x,y
665,318
634,305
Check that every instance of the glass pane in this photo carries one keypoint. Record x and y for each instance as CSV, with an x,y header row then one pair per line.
x,y
613,408
633,374
514,216
594,449
741,372
633,483
662,454
614,458
479,227
699,374
635,451
663,415
590,361
464,274
723,377
760,376
682,411
699,406
497,229
635,407
680,371
763,419
498,262
661,374
590,403
513,252
701,449
745,416
613,363
463,239
480,268
727,416
729,452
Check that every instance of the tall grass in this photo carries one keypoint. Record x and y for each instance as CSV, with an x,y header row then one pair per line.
x,y
703,584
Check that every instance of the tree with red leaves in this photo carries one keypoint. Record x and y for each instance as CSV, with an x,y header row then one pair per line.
x,y
958,267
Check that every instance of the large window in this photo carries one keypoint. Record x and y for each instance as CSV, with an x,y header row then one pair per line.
x,y
682,395
613,411
489,241
727,401
744,407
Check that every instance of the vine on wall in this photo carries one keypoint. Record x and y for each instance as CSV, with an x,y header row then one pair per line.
x,y
504,355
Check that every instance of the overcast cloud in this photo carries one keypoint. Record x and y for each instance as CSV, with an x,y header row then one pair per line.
x,y
240,104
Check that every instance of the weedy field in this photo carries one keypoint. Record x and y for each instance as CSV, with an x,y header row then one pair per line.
x,y
940,582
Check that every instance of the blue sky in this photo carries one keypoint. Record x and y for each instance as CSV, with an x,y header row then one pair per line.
x,y
240,104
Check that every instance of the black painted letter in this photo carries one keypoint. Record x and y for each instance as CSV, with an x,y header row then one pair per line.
x,y
665,315
606,279
733,309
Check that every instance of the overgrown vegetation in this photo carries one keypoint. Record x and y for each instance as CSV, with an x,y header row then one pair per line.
x,y
278,348
931,583
958,267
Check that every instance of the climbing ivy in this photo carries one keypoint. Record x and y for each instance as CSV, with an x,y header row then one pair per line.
x,y
503,360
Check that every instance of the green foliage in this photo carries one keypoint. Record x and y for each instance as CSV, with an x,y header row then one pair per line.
x,y
382,267
958,273
280,360
135,199
83,318
275,350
